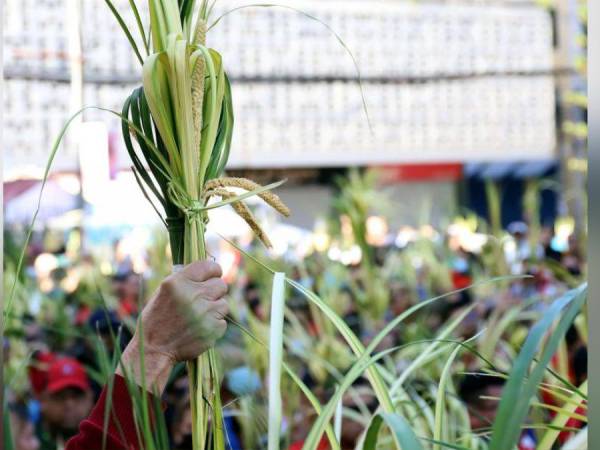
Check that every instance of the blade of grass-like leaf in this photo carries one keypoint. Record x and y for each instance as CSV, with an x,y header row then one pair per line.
x,y
564,398
424,410
438,432
316,19
186,8
398,425
275,360
348,335
170,13
151,130
419,360
379,386
318,428
158,27
181,86
19,371
517,395
138,19
137,163
109,392
305,390
147,196
210,9
446,444
223,143
491,339
570,386
358,367
337,421
53,151
217,407
49,162
7,439
158,96
125,29
357,347
553,408
212,109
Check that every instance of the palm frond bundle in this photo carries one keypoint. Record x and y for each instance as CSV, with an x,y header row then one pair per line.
x,y
177,128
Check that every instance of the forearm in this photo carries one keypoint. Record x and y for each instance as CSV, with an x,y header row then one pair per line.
x,y
149,370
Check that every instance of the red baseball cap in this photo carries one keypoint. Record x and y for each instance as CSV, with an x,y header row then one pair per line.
x,y
64,373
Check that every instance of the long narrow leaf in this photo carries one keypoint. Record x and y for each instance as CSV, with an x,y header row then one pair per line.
x,y
328,27
398,425
275,360
125,29
517,395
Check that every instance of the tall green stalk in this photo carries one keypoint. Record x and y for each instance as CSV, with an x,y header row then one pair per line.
x,y
494,199
531,210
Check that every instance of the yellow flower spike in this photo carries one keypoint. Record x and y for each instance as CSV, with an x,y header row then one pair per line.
x,y
244,212
268,197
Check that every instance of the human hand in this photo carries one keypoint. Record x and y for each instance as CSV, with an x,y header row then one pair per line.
x,y
182,320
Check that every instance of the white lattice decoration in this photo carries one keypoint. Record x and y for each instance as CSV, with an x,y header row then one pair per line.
x,y
286,115
286,125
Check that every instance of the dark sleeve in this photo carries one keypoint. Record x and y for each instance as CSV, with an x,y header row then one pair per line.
x,y
121,432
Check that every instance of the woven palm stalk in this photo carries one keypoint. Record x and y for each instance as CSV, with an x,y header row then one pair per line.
x,y
177,129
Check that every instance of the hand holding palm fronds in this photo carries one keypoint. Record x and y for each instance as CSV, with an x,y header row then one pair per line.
x,y
182,121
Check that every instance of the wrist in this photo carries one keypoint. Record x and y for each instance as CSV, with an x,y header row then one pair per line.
x,y
150,373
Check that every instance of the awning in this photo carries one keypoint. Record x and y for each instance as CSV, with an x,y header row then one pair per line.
x,y
522,169
20,207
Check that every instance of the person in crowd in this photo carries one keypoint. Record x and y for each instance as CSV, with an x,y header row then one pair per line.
x,y
38,371
67,399
482,411
520,232
106,325
22,427
572,258
252,295
103,326
546,242
182,320
481,394
127,286
181,421
238,383
362,399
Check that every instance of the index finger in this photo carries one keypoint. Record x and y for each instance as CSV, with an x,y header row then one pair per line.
x,y
202,270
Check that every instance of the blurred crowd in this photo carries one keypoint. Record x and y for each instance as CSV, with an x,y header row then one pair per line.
x,y
59,352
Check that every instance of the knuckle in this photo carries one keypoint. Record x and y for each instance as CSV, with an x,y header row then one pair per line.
x,y
221,286
214,268
215,288
224,307
203,266
204,270
221,308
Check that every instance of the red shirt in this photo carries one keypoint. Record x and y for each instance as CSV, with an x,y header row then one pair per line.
x,y
323,445
121,433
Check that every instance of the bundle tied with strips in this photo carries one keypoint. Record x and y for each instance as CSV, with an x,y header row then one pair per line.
x,y
194,209
177,130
